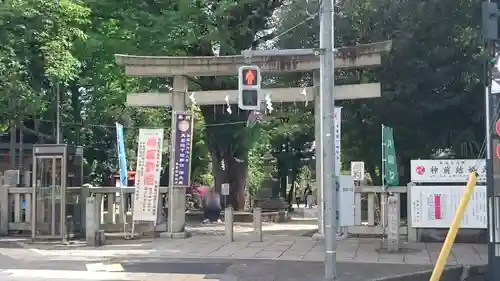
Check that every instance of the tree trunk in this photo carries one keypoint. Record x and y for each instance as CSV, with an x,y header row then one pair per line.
x,y
77,118
291,192
13,134
376,179
235,173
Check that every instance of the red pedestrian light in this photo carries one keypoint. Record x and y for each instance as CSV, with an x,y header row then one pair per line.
x,y
250,77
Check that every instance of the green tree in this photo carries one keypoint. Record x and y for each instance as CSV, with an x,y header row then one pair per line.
x,y
431,80
229,28
37,38
134,27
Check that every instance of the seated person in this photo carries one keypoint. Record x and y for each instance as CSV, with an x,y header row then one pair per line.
x,y
211,206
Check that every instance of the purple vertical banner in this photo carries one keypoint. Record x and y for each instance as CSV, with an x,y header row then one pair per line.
x,y
183,143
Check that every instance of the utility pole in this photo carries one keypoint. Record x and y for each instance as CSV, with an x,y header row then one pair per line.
x,y
490,34
58,115
327,108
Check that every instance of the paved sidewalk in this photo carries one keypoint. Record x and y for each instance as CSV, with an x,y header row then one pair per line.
x,y
274,247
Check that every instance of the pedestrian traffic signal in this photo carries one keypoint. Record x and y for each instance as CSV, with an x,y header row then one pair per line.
x,y
248,87
497,130
489,13
249,77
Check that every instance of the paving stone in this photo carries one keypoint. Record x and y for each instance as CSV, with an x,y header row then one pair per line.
x,y
284,243
291,257
391,258
314,256
269,254
417,258
466,254
247,253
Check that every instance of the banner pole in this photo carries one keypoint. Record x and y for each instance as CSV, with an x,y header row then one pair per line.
x,y
383,195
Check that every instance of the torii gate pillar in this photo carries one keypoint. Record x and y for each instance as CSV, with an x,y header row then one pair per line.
x,y
176,195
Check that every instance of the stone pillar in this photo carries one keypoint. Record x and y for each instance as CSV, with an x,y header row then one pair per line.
x,y
393,214
4,210
176,195
412,232
319,151
91,221
84,194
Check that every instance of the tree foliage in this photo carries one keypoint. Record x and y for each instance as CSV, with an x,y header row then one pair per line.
x,y
432,93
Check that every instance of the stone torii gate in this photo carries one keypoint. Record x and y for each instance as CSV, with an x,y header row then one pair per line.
x,y
273,61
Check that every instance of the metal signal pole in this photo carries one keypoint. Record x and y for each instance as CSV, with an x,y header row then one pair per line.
x,y
327,108
490,14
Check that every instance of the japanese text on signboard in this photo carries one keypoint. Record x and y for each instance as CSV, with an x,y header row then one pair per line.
x,y
447,170
183,141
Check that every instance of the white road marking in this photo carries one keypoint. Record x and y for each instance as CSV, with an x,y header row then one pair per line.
x,y
115,267
95,253
103,276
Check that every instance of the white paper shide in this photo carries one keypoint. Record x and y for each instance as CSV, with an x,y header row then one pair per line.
x,y
147,178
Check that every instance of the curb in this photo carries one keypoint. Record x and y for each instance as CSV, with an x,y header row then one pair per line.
x,y
453,273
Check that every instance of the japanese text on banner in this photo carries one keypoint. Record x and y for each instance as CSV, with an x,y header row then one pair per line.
x,y
148,174
182,145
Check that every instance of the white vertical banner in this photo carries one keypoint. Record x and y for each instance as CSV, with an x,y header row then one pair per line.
x,y
337,120
147,177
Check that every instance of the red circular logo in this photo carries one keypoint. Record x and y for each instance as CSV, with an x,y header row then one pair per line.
x,y
420,170
497,127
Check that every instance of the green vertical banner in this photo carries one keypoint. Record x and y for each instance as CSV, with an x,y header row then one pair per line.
x,y
390,176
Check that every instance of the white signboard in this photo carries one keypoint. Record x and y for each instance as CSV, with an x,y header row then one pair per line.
x,y
337,121
446,170
358,170
435,206
147,177
346,201
225,189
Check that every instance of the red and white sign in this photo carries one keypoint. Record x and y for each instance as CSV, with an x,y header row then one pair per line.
x,y
435,206
147,177
446,170
497,127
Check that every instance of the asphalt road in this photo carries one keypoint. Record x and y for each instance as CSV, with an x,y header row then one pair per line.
x,y
15,265
145,269
269,270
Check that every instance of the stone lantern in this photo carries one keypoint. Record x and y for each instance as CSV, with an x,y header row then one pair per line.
x,y
269,193
269,162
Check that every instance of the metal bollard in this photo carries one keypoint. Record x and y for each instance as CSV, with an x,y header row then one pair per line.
x,y
228,222
393,223
257,223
